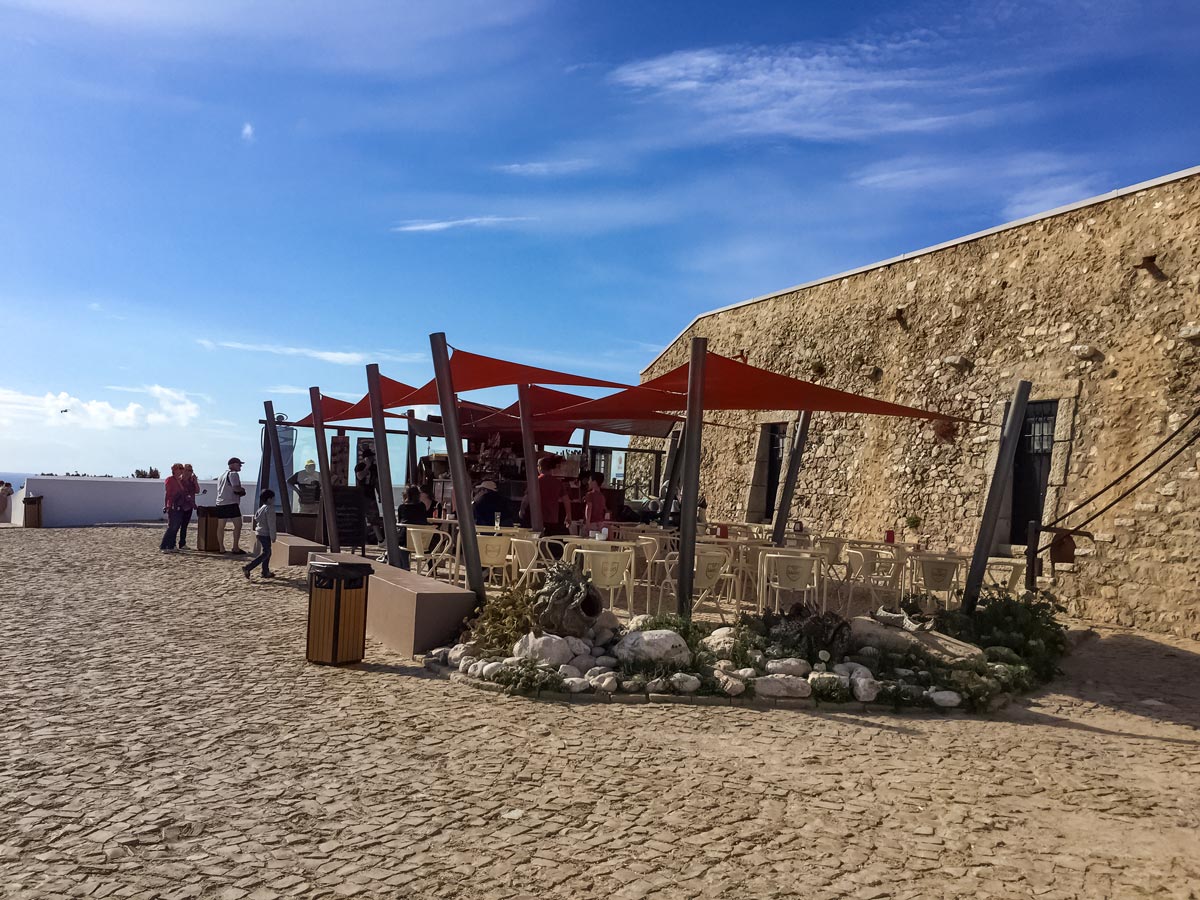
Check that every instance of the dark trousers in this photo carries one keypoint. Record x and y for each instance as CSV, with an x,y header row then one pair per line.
x,y
264,556
175,521
183,524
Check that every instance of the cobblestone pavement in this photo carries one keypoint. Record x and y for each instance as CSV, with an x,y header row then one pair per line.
x,y
162,736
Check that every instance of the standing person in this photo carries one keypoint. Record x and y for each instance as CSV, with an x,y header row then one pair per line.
x,y
264,529
191,487
556,505
595,507
411,512
6,491
229,495
366,476
173,503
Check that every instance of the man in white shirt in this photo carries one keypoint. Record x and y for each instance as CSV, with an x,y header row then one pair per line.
x,y
229,495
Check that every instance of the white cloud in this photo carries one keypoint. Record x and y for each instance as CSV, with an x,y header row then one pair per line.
x,y
338,357
548,168
287,389
424,225
63,409
248,133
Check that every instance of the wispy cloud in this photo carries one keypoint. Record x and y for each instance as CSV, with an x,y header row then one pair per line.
x,y
421,225
101,310
248,133
547,168
821,92
338,357
62,409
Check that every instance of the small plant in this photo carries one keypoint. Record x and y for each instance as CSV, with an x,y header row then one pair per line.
x,y
500,622
817,367
912,522
527,677
1026,625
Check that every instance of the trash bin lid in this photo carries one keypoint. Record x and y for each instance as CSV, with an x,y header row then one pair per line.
x,y
343,569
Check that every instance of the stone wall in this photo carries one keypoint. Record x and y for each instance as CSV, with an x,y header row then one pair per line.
x,y
1067,302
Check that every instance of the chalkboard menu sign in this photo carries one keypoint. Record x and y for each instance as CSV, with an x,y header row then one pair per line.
x,y
350,513
339,460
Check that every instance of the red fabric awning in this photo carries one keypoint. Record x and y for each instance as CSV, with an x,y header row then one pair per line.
x,y
730,384
472,372
392,392
333,409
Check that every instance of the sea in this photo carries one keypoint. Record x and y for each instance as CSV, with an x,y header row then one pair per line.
x,y
16,479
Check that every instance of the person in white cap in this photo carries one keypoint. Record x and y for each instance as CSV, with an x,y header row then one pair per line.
x,y
307,485
229,496
488,504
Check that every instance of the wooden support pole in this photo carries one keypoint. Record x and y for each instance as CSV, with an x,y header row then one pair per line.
x,y
1010,436
391,532
331,535
673,456
585,454
533,492
459,477
784,507
410,472
691,475
277,456
264,465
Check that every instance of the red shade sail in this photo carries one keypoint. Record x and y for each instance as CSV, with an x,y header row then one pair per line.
x,y
330,408
392,392
730,384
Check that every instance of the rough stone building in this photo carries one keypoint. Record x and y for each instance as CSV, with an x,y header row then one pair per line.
x,y
1097,304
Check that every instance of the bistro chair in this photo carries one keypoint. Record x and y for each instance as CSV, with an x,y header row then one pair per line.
x,y
874,569
937,575
611,570
654,549
494,554
794,573
711,563
1009,576
428,547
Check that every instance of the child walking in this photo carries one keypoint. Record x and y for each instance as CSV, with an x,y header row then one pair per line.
x,y
264,528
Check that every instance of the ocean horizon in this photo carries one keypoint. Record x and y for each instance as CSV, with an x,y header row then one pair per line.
x,y
17,479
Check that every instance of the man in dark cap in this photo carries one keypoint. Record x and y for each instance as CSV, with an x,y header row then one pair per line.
x,y
229,497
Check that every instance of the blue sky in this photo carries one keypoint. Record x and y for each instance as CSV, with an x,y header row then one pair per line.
x,y
205,205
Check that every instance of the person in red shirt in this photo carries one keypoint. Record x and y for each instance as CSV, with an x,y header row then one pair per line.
x,y
177,497
556,505
595,508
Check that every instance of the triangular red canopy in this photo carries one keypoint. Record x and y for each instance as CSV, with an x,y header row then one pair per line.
x,y
730,384
333,409
472,372
392,393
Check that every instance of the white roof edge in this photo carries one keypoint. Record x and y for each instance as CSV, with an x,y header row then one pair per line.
x,y
1079,204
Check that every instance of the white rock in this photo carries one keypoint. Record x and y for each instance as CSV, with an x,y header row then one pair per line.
x,y
549,648
476,668
466,662
685,683
828,679
725,665
569,672
596,651
729,685
865,689
658,686
607,683
721,641
782,686
758,658
866,631
660,646
439,655
576,685
945,698
633,686
608,661
595,672
512,660
904,673
634,624
604,636
789,666
607,619
578,645
491,670
458,651
744,673
583,663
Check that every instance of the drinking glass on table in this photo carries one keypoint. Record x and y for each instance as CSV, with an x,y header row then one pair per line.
x,y
497,518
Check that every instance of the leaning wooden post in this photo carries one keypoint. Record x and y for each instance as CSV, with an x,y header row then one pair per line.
x,y
585,453
318,417
1010,436
674,451
784,507
690,453
391,532
533,490
281,477
410,473
459,477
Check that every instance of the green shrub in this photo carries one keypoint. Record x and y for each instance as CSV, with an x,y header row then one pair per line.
x,y
1025,625
527,677
500,622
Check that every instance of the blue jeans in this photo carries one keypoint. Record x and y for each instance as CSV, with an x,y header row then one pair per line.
x,y
264,556
175,523
185,518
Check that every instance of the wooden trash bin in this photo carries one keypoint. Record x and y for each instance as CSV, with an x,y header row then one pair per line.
x,y
208,530
33,512
337,612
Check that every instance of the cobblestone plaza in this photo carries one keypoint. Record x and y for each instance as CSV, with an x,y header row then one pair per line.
x,y
161,735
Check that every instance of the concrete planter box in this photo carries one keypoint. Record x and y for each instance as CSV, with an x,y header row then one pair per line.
x,y
413,614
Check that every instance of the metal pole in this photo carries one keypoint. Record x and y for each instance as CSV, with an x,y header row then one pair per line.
x,y
411,467
277,455
264,465
391,532
459,477
585,454
673,455
331,535
1010,436
533,490
1032,536
691,475
658,463
784,507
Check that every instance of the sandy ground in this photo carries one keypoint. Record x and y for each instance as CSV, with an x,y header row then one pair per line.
x,y
161,735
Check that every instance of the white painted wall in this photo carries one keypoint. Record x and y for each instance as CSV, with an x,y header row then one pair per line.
x,y
77,502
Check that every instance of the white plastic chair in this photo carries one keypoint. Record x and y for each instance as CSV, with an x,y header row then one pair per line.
x,y
938,575
493,554
611,570
711,563
792,572
428,547
876,570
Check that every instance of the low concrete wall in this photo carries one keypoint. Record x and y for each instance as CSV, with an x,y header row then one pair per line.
x,y
79,502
